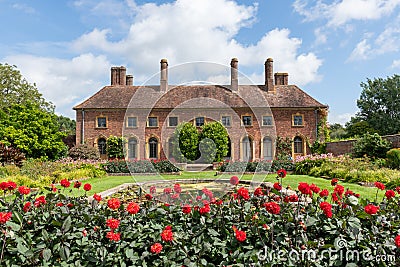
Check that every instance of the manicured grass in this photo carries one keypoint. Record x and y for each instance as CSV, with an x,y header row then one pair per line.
x,y
102,184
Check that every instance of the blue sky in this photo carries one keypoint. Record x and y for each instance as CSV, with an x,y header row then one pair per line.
x,y
328,47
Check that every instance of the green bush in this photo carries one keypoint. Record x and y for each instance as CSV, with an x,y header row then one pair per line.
x,y
84,151
165,166
393,158
139,166
371,145
115,147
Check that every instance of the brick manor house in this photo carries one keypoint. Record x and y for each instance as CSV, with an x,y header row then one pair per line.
x,y
254,115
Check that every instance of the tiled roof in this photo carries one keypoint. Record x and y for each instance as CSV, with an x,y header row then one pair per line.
x,y
117,97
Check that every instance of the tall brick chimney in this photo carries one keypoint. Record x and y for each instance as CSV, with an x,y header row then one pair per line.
x,y
129,80
269,75
164,75
281,78
118,75
234,74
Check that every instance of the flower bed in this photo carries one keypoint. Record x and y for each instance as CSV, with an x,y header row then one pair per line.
x,y
242,228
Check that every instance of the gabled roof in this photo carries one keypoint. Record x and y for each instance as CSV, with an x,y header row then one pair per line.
x,y
119,97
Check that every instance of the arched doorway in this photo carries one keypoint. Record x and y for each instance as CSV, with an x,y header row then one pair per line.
x,y
102,146
153,148
298,146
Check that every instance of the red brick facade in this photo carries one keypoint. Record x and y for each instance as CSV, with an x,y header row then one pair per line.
x,y
117,102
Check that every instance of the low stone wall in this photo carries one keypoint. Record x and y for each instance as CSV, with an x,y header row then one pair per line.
x,y
346,147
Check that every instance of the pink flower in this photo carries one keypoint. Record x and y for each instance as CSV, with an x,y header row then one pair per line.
x,y
234,180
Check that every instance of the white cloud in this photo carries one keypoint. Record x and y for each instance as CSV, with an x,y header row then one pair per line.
x,y
24,8
395,64
200,30
63,82
340,118
342,12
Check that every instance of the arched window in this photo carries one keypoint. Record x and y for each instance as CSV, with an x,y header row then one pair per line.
x,y
153,148
102,145
267,148
247,149
298,145
132,148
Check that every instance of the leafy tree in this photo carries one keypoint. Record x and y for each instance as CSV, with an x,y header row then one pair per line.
x,y
357,127
115,147
379,104
185,142
66,125
217,133
32,130
337,131
14,89
371,145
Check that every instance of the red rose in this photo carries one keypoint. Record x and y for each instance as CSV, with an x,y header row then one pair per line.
x,y
168,227
87,187
11,185
371,209
156,248
152,190
205,209
40,201
97,197
258,192
390,194
167,190
4,217
27,207
397,241
349,193
293,198
398,189
77,184
272,207
315,188
4,186
23,190
84,232
234,180
244,193
59,204
133,208
114,203
148,197
278,186
167,235
326,208
335,197
304,188
112,223
113,236
334,181
339,190
281,173
186,209
70,205
379,185
208,193
240,235
177,188
324,193
175,196
65,183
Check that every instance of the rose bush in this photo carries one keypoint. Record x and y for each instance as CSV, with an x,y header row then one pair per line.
x,y
56,230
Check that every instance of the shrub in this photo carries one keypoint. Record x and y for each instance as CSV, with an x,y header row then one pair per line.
x,y
371,145
10,155
164,166
115,147
84,151
393,158
122,166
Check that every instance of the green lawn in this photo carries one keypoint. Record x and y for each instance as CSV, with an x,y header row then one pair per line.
x,y
102,184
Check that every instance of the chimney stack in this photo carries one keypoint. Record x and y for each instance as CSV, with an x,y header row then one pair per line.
x,y
118,75
234,74
129,80
281,78
164,75
269,75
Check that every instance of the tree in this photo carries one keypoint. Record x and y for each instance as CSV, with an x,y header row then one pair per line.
x,y
371,145
357,127
217,133
185,142
33,130
66,125
337,131
379,104
115,147
14,89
